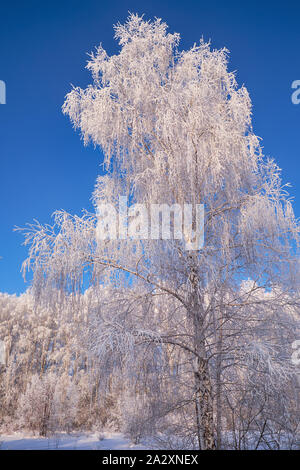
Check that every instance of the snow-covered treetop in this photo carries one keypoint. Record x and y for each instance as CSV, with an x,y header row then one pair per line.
x,y
167,118
174,127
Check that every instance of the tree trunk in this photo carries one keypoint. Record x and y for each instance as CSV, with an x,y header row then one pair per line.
x,y
203,387
219,334
204,406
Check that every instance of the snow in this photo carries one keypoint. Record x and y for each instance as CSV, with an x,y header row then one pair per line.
x,y
112,441
74,441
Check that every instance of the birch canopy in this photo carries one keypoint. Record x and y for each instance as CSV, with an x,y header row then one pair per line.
x,y
175,127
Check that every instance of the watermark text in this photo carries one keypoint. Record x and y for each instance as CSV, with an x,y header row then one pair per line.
x,y
2,92
154,221
296,94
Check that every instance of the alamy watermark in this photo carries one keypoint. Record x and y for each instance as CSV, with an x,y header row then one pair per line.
x,y
2,353
296,353
2,92
296,94
151,222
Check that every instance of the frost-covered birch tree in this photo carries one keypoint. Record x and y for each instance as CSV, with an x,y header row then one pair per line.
x,y
174,127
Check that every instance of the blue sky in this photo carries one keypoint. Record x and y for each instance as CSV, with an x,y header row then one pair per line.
x,y
43,49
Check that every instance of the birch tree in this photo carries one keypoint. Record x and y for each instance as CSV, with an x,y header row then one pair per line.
x,y
174,127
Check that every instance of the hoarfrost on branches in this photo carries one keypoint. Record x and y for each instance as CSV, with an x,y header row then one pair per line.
x,y
174,127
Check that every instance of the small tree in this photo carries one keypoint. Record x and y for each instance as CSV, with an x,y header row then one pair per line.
x,y
36,404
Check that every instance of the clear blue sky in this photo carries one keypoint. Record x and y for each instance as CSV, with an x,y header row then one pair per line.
x,y
43,46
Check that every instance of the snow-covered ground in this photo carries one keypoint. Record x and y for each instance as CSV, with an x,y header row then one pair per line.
x,y
108,441
80,441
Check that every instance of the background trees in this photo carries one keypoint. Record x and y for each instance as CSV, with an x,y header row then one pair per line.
x,y
49,381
